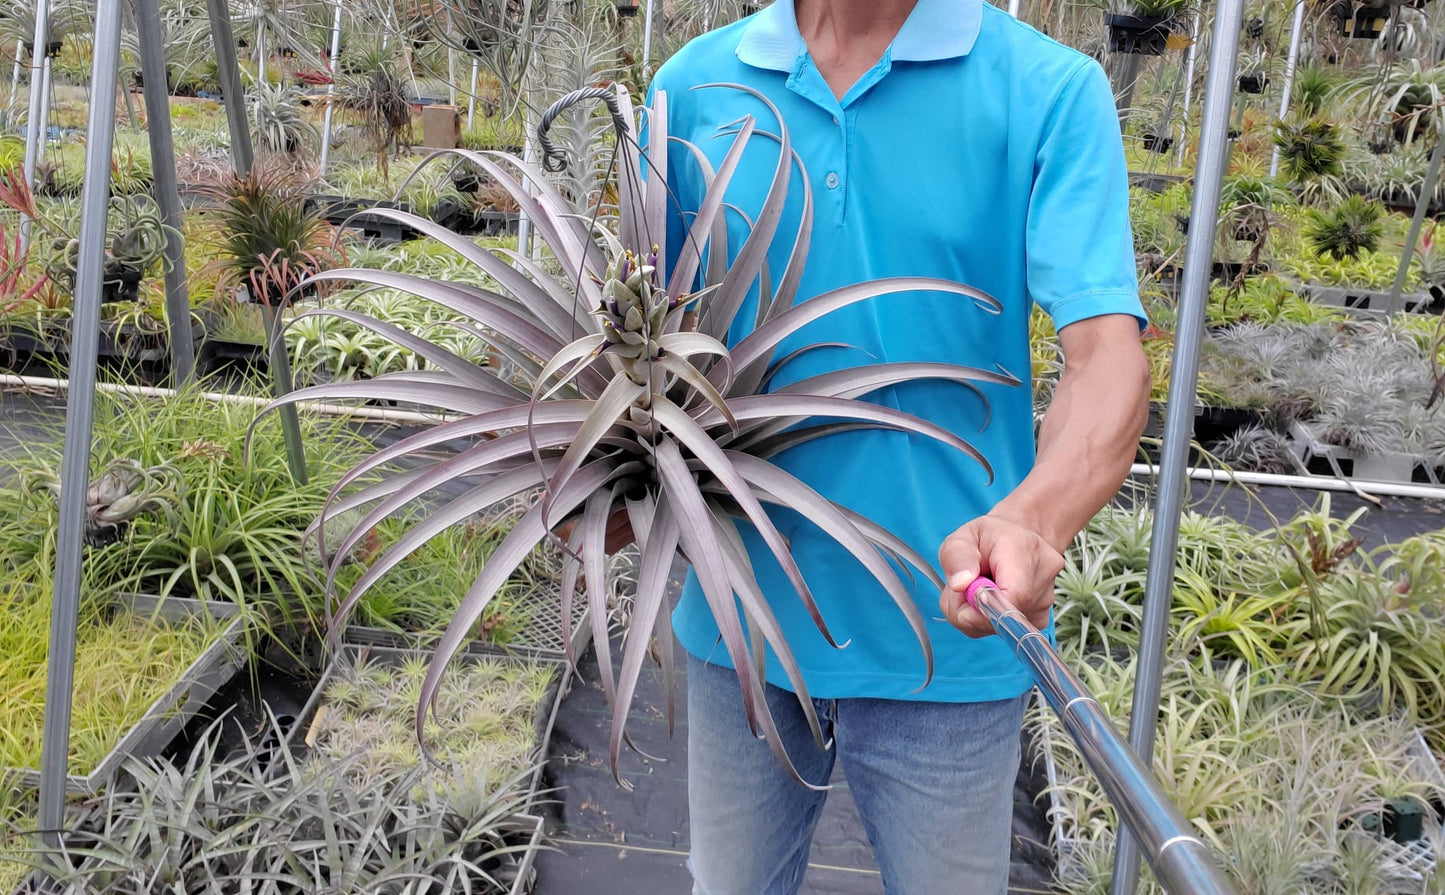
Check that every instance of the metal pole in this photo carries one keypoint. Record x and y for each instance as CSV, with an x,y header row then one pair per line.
x,y
1290,62
330,89
1179,412
1128,69
44,137
647,36
79,415
35,122
1181,861
14,81
233,95
167,195
1013,8
451,77
472,96
1427,192
1190,58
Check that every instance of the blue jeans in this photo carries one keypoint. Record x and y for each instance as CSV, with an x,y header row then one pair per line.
x,y
933,782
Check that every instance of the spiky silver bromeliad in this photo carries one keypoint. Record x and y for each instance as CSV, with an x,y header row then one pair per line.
x,y
637,409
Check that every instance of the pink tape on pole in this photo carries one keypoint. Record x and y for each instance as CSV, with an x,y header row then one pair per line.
x,y
974,587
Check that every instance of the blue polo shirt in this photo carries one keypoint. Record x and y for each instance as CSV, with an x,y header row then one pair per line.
x,y
976,150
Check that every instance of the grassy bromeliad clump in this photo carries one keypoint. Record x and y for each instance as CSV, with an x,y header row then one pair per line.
x,y
124,663
483,730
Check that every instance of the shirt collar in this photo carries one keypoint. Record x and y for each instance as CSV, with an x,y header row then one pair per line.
x,y
935,29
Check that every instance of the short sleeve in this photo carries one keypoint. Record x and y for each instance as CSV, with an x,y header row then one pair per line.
x,y
1080,251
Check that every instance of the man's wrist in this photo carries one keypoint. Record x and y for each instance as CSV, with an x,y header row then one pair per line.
x,y
1035,520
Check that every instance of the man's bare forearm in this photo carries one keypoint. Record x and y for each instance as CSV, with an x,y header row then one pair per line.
x,y
1090,433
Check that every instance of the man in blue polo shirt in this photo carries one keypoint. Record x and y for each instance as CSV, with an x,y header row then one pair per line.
x,y
941,138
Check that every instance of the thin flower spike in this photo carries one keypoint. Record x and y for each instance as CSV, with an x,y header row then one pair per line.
x,y
630,402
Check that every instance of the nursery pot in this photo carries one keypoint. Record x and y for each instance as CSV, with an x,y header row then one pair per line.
x,y
1141,35
1365,23
1156,143
52,48
627,8
1254,84
121,284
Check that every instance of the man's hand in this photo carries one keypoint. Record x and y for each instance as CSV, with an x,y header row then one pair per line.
x,y
1018,559
1088,438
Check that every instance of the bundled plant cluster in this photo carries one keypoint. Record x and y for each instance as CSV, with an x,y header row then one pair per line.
x,y
266,821
1300,669
124,663
484,732
1367,386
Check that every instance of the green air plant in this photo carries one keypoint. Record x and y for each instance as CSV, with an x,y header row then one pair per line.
x,y
1353,226
268,238
622,400
373,88
279,122
1308,150
123,491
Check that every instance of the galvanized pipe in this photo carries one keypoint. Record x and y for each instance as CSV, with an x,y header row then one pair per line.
x,y
232,94
1190,58
1179,412
330,89
1181,861
36,120
14,83
472,96
647,37
1427,193
164,188
1291,61
79,415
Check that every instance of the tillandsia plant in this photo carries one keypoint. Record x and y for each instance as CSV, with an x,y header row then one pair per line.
x,y
626,403
124,491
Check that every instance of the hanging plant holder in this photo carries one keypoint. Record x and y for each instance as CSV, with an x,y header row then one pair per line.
x,y
1253,84
1254,29
1365,23
1156,143
1140,35
52,49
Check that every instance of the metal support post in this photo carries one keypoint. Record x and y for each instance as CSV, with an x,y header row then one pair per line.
x,y
1427,192
1191,56
330,89
36,120
647,36
167,195
1127,69
1179,412
1290,62
1013,8
79,414
451,77
233,95
472,96
14,82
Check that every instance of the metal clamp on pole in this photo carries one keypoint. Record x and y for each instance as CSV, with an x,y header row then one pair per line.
x,y
1181,861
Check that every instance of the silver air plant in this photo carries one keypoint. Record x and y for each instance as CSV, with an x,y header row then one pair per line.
x,y
624,403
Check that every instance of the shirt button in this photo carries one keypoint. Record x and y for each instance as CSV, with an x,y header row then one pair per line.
x,y
835,119
832,180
